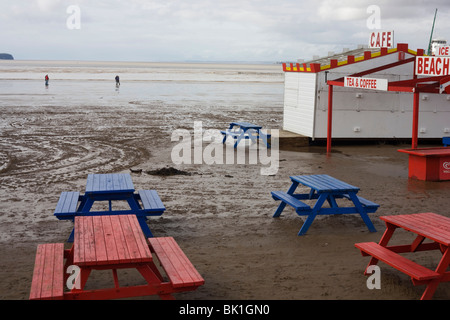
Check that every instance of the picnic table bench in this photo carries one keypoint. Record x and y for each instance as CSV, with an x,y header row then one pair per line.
x,y
112,243
48,275
110,187
323,188
429,226
245,130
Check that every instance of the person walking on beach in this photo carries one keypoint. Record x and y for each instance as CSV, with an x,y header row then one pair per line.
x,y
117,81
46,79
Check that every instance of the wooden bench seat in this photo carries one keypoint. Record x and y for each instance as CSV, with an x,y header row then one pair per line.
x,y
151,201
297,204
67,205
366,203
236,134
412,269
179,270
48,274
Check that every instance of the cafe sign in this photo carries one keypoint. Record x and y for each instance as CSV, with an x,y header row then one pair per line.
x,y
381,39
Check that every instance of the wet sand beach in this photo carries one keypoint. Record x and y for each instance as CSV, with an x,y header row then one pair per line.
x,y
220,215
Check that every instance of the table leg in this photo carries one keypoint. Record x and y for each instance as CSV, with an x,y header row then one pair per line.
x,y
279,210
387,235
417,242
144,227
251,136
264,138
86,207
154,278
332,201
242,135
311,216
70,239
134,205
441,269
225,136
362,212
84,275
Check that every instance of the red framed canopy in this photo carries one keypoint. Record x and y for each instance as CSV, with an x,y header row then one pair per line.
x,y
415,86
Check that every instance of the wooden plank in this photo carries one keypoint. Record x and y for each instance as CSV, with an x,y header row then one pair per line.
x,y
192,275
110,243
111,182
324,183
429,225
433,225
47,282
289,199
141,243
89,243
67,202
101,254
84,245
90,183
178,267
96,185
116,182
77,241
128,182
36,282
165,262
150,199
130,241
247,125
58,272
105,183
397,261
73,202
119,239
47,275
175,263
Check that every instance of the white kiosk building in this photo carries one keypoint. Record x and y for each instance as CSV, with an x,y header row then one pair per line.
x,y
385,112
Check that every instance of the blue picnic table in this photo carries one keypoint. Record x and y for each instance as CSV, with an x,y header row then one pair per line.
x,y
245,130
446,141
323,188
110,187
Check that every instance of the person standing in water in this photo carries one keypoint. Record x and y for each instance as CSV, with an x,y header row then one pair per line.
x,y
117,81
46,79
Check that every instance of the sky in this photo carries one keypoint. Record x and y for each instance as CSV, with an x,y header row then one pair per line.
x,y
209,30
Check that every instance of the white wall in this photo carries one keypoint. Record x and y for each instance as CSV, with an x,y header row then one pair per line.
x,y
362,113
299,102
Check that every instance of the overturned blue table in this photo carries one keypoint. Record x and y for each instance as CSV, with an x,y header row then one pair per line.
x,y
110,187
245,130
323,188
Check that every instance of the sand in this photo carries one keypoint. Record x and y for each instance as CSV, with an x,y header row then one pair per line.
x,y
221,215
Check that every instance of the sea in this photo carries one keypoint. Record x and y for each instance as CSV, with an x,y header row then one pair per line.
x,y
78,83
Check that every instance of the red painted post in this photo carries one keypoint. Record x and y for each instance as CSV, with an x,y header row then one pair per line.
x,y
330,117
415,125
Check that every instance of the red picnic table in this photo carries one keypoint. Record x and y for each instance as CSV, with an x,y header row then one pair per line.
x,y
427,226
428,164
112,243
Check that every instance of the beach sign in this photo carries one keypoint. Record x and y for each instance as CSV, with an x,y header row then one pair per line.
x,y
366,83
381,39
432,66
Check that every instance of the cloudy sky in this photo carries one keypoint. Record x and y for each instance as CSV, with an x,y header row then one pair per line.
x,y
209,30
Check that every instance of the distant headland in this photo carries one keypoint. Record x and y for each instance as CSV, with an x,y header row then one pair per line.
x,y
6,56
